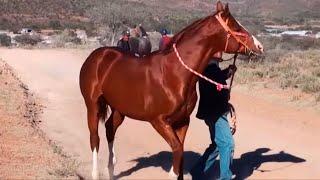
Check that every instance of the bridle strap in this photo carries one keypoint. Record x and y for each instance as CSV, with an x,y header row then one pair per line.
x,y
227,43
232,33
234,63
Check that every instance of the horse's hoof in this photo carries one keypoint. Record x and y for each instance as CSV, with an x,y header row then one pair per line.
x,y
187,176
95,175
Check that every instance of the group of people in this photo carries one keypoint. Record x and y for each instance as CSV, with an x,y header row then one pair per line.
x,y
213,109
124,45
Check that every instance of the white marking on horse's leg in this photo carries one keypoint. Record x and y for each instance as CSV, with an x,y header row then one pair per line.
x,y
257,43
95,171
112,152
172,175
112,160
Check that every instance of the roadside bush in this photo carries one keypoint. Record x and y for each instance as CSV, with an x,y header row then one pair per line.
x,y
65,37
27,39
55,24
5,40
290,43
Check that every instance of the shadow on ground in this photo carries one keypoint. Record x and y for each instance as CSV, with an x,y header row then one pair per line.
x,y
242,167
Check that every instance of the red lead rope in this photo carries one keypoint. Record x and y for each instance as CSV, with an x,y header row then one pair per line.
x,y
219,85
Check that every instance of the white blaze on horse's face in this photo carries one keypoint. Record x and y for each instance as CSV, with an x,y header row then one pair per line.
x,y
257,43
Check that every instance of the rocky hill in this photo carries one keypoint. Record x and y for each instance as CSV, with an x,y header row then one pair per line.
x,y
60,14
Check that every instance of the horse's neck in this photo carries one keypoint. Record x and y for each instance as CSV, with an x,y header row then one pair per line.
x,y
195,52
194,56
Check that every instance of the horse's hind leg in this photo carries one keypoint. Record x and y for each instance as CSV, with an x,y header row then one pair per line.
x,y
96,109
112,124
93,122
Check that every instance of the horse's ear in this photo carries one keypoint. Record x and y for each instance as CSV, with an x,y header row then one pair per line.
x,y
226,9
219,6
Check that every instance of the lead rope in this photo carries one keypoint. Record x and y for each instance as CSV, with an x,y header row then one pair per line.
x,y
233,120
219,86
234,63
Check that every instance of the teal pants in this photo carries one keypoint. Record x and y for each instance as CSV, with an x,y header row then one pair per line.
x,y
222,144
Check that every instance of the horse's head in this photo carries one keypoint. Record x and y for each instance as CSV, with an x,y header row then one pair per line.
x,y
237,38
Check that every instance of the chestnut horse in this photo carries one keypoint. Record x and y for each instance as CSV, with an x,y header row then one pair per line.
x,y
157,88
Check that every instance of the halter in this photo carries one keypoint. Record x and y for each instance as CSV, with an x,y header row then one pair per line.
x,y
234,34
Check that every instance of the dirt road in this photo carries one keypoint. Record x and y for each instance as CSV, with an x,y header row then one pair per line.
x,y
274,140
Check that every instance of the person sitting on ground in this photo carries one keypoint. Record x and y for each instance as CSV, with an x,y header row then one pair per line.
x,y
123,43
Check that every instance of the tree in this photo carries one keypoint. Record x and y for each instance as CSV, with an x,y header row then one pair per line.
x,y
116,15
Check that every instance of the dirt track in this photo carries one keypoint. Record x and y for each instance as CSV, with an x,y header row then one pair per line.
x,y
265,129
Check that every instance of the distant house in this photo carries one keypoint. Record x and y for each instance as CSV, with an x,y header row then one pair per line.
x,y
296,33
26,31
274,31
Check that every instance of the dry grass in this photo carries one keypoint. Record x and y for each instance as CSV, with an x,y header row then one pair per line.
x,y
286,70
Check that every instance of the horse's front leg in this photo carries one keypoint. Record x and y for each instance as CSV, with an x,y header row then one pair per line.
x,y
181,132
181,129
168,133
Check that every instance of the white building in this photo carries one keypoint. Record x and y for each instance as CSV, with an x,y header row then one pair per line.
x,y
296,33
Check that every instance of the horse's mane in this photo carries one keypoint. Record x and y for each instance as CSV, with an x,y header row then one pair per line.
x,y
189,30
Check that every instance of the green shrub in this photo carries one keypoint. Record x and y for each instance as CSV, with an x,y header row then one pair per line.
x,y
66,36
27,39
55,24
5,40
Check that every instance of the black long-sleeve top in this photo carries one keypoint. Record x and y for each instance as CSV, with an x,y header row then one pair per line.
x,y
213,103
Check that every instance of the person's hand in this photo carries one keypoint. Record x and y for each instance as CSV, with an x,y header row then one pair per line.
x,y
232,69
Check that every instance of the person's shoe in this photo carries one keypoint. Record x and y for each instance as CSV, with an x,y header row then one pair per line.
x,y
233,176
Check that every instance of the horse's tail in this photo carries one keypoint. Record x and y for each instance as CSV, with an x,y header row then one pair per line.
x,y
103,109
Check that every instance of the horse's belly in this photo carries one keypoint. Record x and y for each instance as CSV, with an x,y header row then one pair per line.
x,y
135,100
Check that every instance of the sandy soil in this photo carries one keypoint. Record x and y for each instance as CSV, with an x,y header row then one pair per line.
x,y
274,139
25,152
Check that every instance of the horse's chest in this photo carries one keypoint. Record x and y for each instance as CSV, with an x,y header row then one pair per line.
x,y
186,107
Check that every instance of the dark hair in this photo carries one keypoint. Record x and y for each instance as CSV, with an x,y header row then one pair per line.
x,y
126,33
164,31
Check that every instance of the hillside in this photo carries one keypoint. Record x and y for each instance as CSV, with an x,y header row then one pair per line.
x,y
60,14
